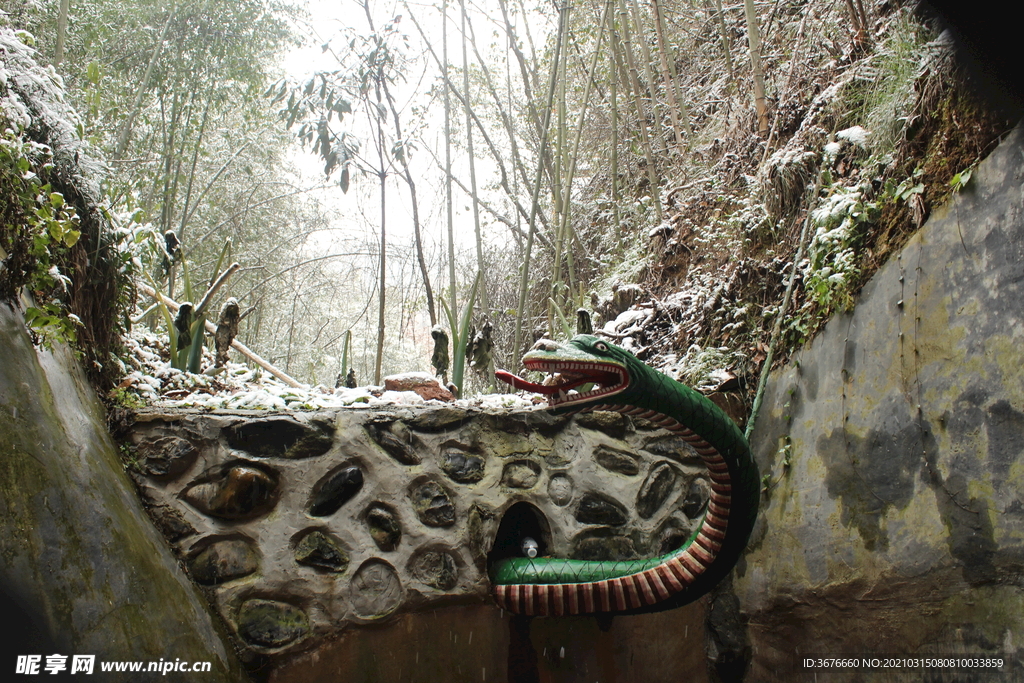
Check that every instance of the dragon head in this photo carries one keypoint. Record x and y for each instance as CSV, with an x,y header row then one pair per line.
x,y
581,371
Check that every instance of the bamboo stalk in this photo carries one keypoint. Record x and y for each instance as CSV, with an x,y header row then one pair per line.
x,y
524,280
472,163
677,106
218,283
634,80
448,159
125,132
565,233
777,327
726,48
62,31
648,62
754,42
613,93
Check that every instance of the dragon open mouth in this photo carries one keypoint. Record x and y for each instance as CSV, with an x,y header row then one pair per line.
x,y
568,376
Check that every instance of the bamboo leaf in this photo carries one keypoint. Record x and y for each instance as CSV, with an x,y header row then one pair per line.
x,y
195,351
566,327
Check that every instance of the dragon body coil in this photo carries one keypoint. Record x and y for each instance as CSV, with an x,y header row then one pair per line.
x,y
611,378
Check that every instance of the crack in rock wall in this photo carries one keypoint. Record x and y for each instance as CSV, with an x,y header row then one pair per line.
x,y
898,527
305,525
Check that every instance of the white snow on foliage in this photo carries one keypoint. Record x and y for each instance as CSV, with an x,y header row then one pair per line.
x,y
32,96
855,135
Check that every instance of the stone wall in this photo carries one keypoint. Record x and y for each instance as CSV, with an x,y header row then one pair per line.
x,y
895,521
321,536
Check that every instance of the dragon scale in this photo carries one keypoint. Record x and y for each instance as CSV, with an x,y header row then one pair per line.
x,y
552,586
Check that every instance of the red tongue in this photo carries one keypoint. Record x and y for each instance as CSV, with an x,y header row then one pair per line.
x,y
520,383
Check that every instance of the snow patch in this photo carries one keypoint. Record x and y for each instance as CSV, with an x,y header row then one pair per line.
x,y
855,135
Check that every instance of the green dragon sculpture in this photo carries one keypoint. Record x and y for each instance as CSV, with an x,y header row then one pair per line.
x,y
602,376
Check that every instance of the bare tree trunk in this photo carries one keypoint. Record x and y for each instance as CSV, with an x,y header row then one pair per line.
x,y
754,40
417,233
560,163
519,171
859,20
528,77
452,295
496,154
383,264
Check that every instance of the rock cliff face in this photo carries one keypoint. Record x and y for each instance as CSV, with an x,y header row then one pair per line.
x,y
82,570
895,519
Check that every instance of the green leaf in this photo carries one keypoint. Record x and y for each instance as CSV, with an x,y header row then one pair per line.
x,y
566,327
195,352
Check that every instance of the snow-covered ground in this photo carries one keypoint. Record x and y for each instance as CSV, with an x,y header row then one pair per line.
x,y
151,379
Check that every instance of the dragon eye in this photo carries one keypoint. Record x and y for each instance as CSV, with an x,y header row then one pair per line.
x,y
601,346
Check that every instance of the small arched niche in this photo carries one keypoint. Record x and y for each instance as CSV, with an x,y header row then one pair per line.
x,y
521,521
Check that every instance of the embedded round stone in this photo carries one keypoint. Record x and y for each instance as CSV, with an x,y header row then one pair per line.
x,y
384,528
617,460
528,422
696,499
271,624
433,505
670,536
440,419
560,489
655,489
232,491
334,490
166,457
520,474
611,423
396,440
462,467
674,447
435,568
319,550
222,561
602,545
280,437
597,509
171,522
376,590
